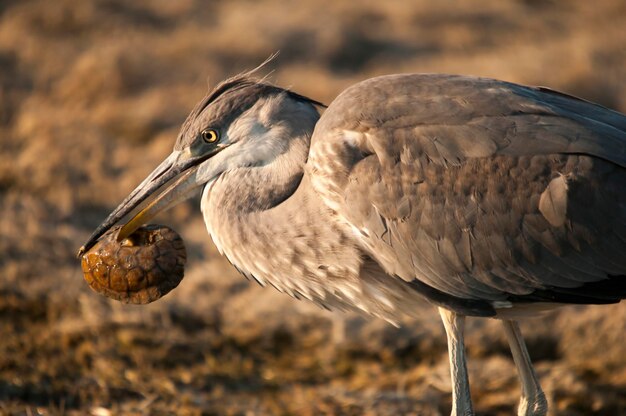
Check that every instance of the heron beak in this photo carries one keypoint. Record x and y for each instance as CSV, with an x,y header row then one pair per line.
x,y
178,170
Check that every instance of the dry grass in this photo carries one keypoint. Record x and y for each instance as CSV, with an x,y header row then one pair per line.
x,y
91,97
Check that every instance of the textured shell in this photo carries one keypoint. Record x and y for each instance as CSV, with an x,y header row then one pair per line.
x,y
139,269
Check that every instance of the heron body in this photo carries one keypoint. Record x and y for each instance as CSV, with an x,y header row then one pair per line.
x,y
482,197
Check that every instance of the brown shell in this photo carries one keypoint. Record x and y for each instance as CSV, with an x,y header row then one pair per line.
x,y
140,269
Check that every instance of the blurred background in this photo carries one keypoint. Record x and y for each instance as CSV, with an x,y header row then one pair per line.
x,y
92,94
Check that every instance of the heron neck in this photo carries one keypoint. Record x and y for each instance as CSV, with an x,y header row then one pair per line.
x,y
277,238
256,189
246,200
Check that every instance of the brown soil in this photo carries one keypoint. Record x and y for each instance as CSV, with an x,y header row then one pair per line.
x,y
91,97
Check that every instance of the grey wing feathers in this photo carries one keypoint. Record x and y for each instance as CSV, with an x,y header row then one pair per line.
x,y
479,189
479,116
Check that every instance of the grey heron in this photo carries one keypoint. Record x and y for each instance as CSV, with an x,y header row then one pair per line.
x,y
483,197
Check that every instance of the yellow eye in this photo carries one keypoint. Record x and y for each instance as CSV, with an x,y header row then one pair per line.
x,y
209,135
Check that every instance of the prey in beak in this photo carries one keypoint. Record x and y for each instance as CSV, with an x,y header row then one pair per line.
x,y
173,181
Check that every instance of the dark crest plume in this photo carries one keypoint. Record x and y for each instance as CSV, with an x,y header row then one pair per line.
x,y
241,81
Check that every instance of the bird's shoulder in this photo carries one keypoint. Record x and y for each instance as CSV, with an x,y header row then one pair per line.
x,y
449,118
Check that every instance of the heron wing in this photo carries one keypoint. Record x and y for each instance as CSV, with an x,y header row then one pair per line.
x,y
479,189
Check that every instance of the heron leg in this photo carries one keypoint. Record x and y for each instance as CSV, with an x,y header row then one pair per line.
x,y
533,401
461,399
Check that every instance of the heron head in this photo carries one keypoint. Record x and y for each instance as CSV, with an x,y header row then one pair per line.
x,y
241,122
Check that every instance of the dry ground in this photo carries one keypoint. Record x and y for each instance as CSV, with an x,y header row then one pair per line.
x,y
91,97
